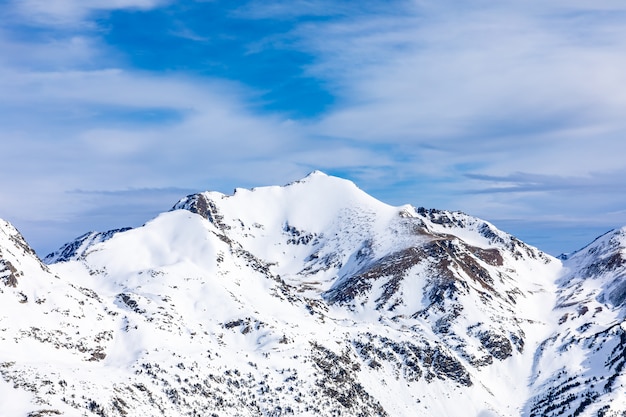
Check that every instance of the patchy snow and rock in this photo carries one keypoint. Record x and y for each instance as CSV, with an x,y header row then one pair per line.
x,y
311,299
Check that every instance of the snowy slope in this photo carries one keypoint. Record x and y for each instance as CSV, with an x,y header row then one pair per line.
x,y
311,299
53,334
579,370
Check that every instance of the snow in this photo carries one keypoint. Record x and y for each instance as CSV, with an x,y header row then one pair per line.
x,y
15,402
236,303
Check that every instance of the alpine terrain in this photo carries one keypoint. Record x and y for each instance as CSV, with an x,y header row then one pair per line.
x,y
311,299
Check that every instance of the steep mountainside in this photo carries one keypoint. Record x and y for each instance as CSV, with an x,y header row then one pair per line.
x,y
580,368
312,299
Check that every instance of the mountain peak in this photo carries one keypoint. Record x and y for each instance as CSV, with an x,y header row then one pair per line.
x,y
322,177
312,203
316,173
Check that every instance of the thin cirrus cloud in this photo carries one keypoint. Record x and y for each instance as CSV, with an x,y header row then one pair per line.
x,y
73,12
596,183
482,74
501,109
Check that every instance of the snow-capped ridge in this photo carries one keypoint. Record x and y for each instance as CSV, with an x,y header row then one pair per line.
x,y
311,204
478,232
312,175
565,256
17,258
77,248
12,237
603,261
605,254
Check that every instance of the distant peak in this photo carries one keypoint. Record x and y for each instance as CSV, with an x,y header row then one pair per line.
x,y
311,176
600,240
316,173
320,176
317,179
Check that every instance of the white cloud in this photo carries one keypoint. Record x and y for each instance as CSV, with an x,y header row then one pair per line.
x,y
488,84
74,12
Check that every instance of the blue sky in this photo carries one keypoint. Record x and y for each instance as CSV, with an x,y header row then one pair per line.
x,y
111,110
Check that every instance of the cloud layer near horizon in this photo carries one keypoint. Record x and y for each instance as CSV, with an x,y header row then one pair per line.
x,y
511,112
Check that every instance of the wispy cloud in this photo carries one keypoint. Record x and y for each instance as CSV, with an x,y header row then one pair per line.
x,y
596,183
455,77
73,12
507,110
137,191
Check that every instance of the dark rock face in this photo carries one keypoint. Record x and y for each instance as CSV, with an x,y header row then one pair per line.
x,y
497,345
128,301
412,361
340,385
10,265
204,207
617,296
443,258
392,268
8,273
603,265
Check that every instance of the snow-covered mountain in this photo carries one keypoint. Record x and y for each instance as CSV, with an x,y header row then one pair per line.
x,y
311,299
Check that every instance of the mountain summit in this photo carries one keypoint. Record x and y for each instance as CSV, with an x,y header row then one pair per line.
x,y
310,299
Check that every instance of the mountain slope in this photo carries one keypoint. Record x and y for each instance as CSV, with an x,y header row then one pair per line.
x,y
580,368
308,299
53,333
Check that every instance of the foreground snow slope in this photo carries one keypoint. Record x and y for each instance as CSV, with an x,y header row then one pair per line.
x,y
312,299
